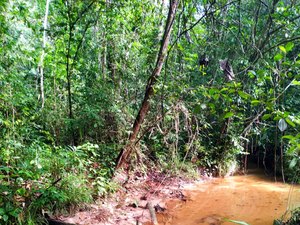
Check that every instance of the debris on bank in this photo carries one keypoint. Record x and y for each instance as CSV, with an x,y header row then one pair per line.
x,y
140,199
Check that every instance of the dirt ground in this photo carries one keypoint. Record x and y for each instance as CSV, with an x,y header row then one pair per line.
x,y
253,198
129,205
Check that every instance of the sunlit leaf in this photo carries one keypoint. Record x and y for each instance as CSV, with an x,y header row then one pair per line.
x,y
290,137
180,47
282,49
224,89
251,73
297,63
266,116
243,95
290,122
278,57
255,102
295,82
228,115
213,91
216,96
289,46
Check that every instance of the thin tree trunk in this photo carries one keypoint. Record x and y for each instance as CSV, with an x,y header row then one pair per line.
x,y
68,73
41,63
275,152
127,150
281,158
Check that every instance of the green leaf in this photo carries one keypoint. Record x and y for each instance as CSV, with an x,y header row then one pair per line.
x,y
5,217
224,89
228,115
282,49
180,47
243,95
277,222
255,102
278,57
212,91
15,213
297,63
251,73
295,82
266,116
277,118
289,46
136,44
21,191
290,137
290,122
197,109
293,163
216,96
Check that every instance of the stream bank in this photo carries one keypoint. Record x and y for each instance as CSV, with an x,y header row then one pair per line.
x,y
128,206
252,198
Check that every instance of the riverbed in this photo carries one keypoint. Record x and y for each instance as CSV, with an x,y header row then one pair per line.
x,y
253,198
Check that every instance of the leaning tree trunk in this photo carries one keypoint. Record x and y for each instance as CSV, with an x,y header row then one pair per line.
x,y
127,150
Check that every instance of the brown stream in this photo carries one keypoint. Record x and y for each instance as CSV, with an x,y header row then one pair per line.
x,y
253,198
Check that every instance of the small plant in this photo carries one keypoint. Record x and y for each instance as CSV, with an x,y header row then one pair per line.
x,y
293,220
181,168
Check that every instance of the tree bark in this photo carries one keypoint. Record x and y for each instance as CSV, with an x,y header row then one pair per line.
x,y
127,150
41,63
70,27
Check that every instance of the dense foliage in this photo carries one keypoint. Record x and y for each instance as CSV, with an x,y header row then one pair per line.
x,y
70,90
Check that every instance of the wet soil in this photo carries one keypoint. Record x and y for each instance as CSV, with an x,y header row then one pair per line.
x,y
252,198
129,205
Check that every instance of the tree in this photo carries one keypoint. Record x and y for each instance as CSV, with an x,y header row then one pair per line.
x,y
127,150
41,63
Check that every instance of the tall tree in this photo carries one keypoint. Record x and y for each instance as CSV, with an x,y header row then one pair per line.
x,y
127,150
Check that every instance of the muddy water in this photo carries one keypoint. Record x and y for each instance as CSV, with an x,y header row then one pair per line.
x,y
251,198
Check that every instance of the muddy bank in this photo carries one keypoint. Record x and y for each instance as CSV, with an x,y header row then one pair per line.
x,y
252,198
129,205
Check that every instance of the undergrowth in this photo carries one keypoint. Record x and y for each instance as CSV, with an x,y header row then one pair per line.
x,y
54,180
177,167
39,178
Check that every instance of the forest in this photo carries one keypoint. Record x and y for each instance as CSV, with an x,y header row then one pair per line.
x,y
90,89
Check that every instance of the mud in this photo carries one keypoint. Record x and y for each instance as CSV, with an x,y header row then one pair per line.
x,y
253,198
